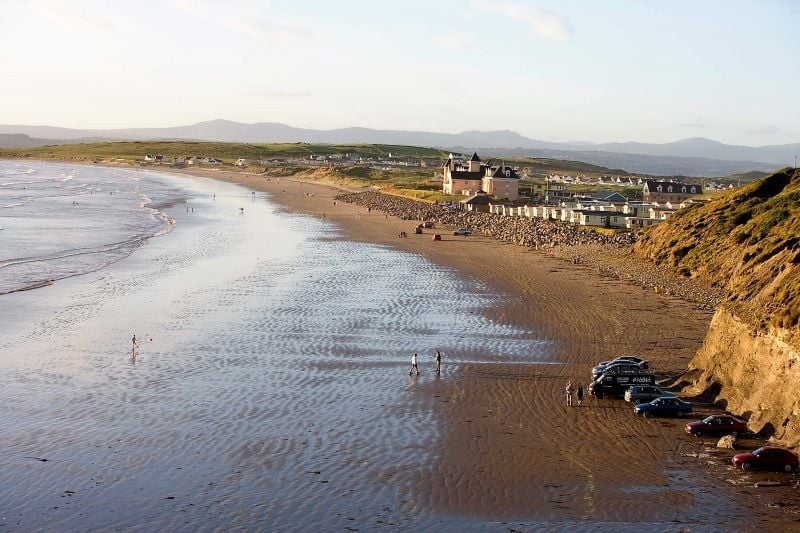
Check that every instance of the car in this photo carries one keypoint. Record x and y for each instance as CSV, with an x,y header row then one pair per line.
x,y
623,360
646,393
615,368
717,425
626,359
767,458
617,384
664,406
462,231
428,224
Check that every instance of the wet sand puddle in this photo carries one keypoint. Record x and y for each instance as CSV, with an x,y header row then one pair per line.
x,y
270,389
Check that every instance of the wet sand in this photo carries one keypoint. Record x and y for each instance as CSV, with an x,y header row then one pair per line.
x,y
511,449
262,403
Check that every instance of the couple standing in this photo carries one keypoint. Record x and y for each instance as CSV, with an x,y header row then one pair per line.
x,y
437,357
571,390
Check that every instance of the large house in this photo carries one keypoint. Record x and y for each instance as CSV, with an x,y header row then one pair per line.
x,y
497,181
669,191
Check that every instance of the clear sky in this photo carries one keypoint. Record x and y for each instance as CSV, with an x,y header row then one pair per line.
x,y
611,70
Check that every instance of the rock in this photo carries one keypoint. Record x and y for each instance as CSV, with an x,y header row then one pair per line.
x,y
728,442
770,484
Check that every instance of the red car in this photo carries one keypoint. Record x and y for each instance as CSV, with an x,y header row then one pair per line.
x,y
717,425
767,458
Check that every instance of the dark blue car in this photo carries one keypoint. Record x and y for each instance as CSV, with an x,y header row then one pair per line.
x,y
664,406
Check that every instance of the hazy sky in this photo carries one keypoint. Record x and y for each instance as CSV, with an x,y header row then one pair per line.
x,y
652,71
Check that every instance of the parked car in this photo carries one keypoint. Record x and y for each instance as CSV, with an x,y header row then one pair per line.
x,y
428,224
646,393
767,458
462,231
717,425
617,384
665,406
626,359
615,368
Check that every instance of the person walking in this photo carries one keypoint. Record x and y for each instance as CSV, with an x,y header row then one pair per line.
x,y
413,365
438,358
579,393
570,389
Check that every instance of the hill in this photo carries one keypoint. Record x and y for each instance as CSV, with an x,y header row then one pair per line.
x,y
135,150
746,241
694,157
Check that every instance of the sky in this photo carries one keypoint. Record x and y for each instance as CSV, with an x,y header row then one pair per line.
x,y
599,71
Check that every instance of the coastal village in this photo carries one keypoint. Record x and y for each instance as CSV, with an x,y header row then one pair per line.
x,y
514,191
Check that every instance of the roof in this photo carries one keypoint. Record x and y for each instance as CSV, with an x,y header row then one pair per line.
x,y
475,157
500,172
609,196
600,213
479,198
683,188
466,175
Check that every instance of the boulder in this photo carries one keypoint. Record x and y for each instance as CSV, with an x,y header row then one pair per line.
x,y
728,442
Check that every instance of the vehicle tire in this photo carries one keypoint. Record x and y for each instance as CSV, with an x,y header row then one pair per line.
x,y
788,468
746,466
698,433
646,414
636,401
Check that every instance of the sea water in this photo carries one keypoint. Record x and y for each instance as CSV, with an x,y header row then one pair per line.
x,y
59,220
270,386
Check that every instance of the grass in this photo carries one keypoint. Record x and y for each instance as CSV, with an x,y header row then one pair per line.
x,y
747,241
133,151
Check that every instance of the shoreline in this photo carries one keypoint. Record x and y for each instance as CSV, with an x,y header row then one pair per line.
x,y
589,315
509,448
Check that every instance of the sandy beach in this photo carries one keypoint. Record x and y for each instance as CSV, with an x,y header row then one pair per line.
x,y
261,401
512,448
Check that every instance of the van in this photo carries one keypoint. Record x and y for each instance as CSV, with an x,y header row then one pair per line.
x,y
616,368
615,384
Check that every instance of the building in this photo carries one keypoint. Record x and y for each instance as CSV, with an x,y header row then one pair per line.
x,y
497,181
479,202
669,191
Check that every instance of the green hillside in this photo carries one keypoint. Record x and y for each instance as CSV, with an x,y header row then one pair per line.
x,y
228,152
746,241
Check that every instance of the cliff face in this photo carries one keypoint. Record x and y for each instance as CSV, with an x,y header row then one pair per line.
x,y
746,242
753,373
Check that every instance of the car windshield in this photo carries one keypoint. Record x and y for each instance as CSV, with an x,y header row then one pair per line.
x,y
708,419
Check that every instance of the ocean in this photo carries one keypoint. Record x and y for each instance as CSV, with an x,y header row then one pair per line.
x,y
270,387
61,220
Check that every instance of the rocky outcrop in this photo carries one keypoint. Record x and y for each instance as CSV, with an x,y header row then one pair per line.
x,y
752,372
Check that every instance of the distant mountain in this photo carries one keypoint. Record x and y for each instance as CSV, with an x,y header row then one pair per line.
x,y
636,163
21,140
688,156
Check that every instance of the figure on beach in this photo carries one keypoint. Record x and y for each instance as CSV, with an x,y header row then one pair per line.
x,y
570,389
579,393
438,359
413,365
134,346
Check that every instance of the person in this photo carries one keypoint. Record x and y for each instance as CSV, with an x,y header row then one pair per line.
x,y
570,389
438,358
579,393
413,365
134,345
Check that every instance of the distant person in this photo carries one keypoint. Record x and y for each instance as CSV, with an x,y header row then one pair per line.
x,y
438,359
569,390
579,393
413,365
134,345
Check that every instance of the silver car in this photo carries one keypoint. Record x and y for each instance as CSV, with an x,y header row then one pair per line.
x,y
646,393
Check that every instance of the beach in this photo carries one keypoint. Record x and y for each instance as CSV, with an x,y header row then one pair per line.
x,y
275,393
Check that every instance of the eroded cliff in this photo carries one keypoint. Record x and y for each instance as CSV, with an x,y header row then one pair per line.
x,y
746,242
